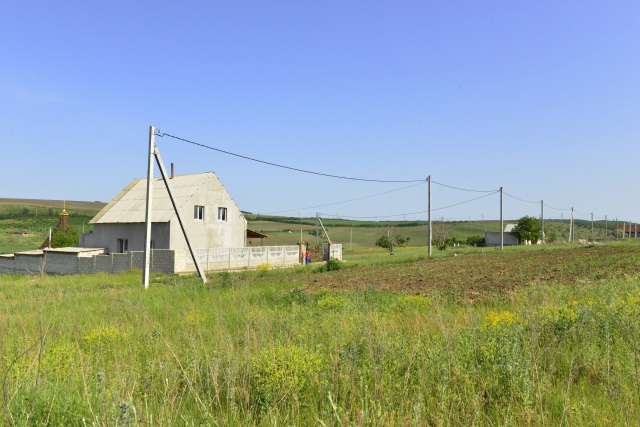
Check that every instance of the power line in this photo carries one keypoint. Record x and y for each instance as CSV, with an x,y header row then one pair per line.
x,y
344,201
158,133
463,189
514,197
557,209
408,213
467,201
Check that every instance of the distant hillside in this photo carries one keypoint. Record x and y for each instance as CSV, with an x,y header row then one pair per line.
x,y
71,204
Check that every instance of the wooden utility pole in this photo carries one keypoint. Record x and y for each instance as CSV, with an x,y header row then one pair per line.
x,y
429,231
606,228
147,216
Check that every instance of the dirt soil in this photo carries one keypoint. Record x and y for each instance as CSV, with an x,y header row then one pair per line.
x,y
475,276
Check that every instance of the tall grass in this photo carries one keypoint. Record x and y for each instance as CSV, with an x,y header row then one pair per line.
x,y
98,349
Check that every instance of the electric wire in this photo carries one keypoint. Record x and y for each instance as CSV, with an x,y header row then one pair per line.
x,y
517,198
557,209
467,201
345,201
420,181
462,189
158,133
408,213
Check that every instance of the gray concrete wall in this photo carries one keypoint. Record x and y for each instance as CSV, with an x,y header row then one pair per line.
x,y
61,263
28,264
107,235
7,265
493,239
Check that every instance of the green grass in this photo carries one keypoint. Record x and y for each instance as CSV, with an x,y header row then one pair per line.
x,y
252,348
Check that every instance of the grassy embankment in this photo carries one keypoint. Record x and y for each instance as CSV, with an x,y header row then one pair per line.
x,y
256,348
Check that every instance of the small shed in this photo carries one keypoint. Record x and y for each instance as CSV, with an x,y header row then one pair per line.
x,y
252,234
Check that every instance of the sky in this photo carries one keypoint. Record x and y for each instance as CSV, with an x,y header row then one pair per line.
x,y
540,98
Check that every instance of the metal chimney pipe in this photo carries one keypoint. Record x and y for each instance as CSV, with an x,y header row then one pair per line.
x,y
171,170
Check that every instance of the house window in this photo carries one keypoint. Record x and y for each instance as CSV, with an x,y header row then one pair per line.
x,y
198,212
123,245
222,214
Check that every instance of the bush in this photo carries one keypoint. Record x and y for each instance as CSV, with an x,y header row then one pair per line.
x,y
64,238
280,373
475,240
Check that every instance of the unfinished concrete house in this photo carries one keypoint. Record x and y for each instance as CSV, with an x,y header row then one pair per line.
x,y
211,217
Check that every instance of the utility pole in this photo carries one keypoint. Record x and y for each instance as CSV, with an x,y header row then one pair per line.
x,y
616,229
571,227
429,231
606,230
501,223
542,219
591,226
317,231
147,216
350,238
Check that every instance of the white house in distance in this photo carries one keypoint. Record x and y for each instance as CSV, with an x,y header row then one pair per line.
x,y
211,217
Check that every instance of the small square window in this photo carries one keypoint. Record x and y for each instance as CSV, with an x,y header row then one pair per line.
x,y
198,212
123,245
222,214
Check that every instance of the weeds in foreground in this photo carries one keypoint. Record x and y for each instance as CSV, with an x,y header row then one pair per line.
x,y
98,348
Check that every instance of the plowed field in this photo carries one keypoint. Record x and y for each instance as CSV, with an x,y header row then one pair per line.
x,y
476,276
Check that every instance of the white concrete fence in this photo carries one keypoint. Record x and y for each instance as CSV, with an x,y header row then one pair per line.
x,y
94,260
247,257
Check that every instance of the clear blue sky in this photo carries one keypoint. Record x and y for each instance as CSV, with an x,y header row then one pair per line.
x,y
542,98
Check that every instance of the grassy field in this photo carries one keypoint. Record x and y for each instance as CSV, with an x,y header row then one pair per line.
x,y
306,346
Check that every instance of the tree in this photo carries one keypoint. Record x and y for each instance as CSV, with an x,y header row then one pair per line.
x,y
389,240
64,238
439,232
528,228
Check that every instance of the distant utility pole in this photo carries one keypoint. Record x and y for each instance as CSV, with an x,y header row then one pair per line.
x,y
317,230
429,231
571,227
501,223
542,219
616,229
350,238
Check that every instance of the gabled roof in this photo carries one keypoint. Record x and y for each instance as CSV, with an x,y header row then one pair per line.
x,y
129,206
